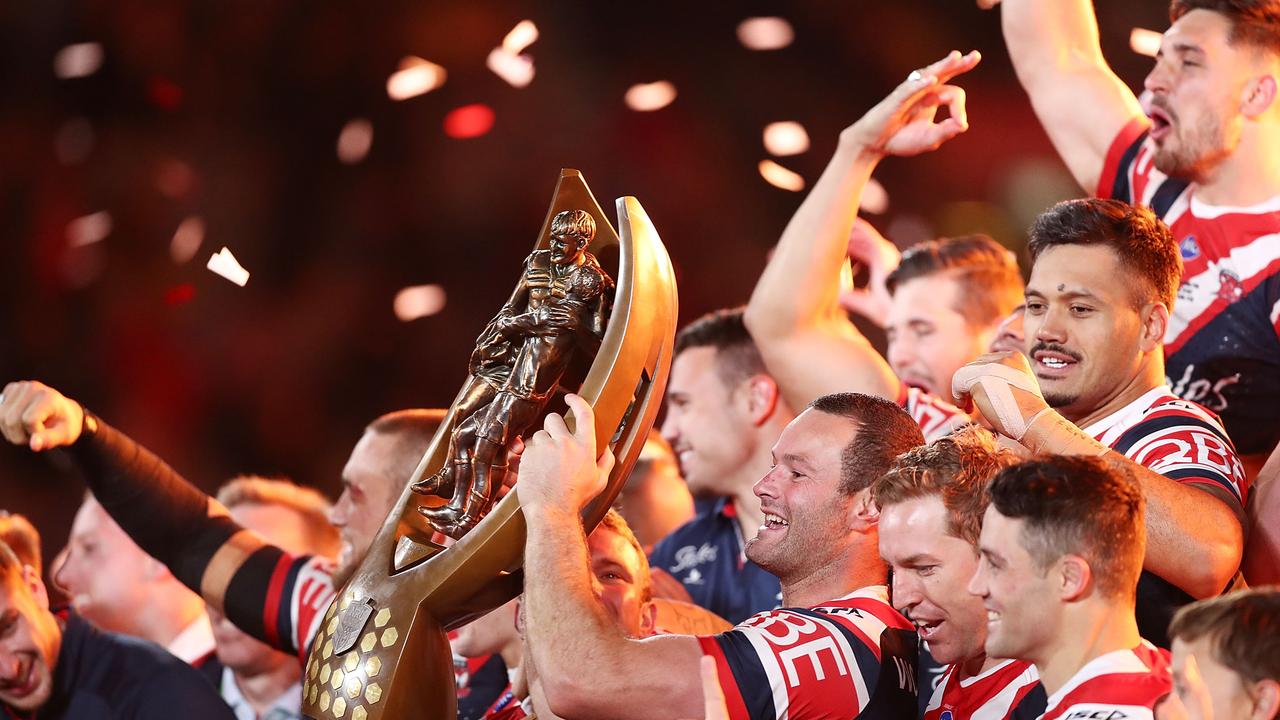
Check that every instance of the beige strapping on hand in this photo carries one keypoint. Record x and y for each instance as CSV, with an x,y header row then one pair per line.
x,y
998,382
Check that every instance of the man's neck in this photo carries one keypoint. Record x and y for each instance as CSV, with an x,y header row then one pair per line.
x,y
511,653
1248,176
976,665
1091,632
162,628
858,567
261,691
1151,376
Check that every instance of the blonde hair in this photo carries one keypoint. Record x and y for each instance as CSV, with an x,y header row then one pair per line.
x,y
307,502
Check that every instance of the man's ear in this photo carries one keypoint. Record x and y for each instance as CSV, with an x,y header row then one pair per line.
x,y
32,580
1073,576
1258,95
864,513
648,619
1155,321
1266,700
761,396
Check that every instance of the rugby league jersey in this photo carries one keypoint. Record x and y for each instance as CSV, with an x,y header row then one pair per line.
x,y
1222,348
1010,689
1185,443
1122,684
847,658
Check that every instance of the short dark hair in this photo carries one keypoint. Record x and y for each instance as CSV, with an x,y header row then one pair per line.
x,y
987,274
1242,628
1141,241
1255,23
883,431
23,539
955,469
737,357
1078,505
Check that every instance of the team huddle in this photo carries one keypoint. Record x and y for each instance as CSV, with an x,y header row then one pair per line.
x,y
1050,499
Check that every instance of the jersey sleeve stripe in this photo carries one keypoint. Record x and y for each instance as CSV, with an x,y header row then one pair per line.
x,y
271,607
1159,423
1114,180
754,683
245,599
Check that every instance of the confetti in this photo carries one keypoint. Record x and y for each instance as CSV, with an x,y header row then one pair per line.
x,y
415,77
780,177
224,263
186,240
524,34
647,97
355,140
79,60
418,301
89,229
765,33
516,70
785,138
1144,42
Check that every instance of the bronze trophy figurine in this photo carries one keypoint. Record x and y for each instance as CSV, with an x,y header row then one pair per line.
x,y
559,308
450,551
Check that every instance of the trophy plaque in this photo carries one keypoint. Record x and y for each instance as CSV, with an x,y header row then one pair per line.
x,y
451,550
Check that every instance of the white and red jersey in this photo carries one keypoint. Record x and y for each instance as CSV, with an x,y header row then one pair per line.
x,y
935,416
851,657
1122,684
1177,439
1222,347
1185,443
1011,689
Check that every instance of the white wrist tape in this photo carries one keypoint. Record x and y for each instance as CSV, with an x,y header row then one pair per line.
x,y
998,382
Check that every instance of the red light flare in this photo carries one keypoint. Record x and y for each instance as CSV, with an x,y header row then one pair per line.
x,y
468,121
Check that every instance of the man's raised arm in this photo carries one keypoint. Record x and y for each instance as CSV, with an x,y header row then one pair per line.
x,y
808,344
233,569
1080,102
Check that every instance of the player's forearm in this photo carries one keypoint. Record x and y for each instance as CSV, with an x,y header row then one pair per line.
x,y
162,512
1045,39
576,647
1193,539
801,284
827,359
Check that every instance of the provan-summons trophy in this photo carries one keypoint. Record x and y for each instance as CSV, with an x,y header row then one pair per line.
x,y
451,550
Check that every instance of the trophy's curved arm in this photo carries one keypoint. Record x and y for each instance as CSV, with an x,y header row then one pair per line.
x,y
379,648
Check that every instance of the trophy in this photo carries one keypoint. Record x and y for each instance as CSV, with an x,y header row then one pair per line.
x,y
452,547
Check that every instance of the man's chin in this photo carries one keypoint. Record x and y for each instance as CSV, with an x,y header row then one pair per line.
x,y
1060,399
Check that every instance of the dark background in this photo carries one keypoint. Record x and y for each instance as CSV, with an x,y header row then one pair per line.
x,y
230,110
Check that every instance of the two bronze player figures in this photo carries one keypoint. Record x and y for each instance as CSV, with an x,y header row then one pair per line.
x,y
558,312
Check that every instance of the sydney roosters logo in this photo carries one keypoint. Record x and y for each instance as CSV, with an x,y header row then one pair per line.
x,y
1230,289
